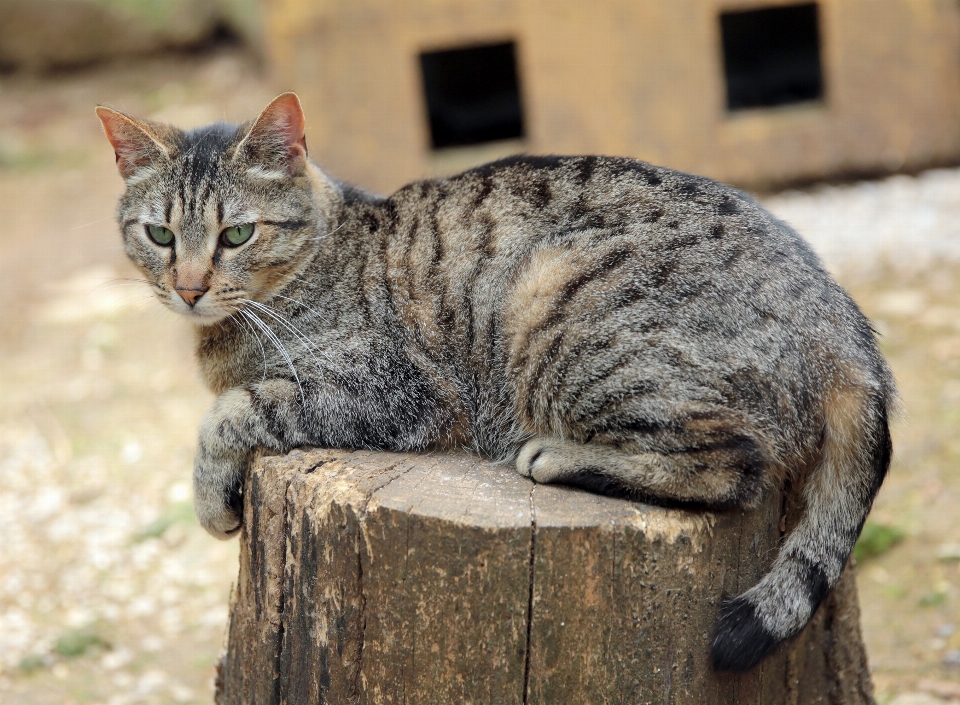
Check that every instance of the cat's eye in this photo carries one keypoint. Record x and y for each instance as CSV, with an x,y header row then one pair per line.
x,y
236,235
160,235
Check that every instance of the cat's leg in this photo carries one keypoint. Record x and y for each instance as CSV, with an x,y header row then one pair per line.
x,y
708,459
280,415
239,421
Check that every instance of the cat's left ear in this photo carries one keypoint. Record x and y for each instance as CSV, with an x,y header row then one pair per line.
x,y
277,140
133,143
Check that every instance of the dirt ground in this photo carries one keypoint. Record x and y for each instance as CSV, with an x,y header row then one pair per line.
x,y
109,591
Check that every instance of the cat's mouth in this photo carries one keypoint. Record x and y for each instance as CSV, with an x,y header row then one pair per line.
x,y
203,311
207,319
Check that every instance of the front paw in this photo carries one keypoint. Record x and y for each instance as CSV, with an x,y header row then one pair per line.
x,y
218,497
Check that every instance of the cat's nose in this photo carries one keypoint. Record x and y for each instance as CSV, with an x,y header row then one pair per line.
x,y
191,296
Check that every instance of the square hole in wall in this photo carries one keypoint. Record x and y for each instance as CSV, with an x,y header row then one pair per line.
x,y
771,56
473,94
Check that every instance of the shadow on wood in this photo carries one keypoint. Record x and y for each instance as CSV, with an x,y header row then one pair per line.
x,y
434,579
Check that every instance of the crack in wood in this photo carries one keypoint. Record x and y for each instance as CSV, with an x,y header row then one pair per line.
x,y
533,558
277,696
362,617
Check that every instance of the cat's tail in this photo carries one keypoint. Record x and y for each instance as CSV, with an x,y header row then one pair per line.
x,y
855,455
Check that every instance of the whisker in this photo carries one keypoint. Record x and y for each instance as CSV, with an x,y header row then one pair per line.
x,y
299,336
296,301
130,281
112,311
98,220
142,306
324,237
311,346
263,353
300,303
105,287
273,338
120,283
154,311
310,284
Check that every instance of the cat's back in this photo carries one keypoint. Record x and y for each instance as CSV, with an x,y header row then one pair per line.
x,y
551,238
511,207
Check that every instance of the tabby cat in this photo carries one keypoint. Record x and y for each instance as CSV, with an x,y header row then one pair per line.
x,y
598,321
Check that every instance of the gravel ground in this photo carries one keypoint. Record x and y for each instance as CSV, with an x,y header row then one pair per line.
x,y
902,225
109,591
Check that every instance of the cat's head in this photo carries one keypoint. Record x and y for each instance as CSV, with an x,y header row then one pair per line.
x,y
223,214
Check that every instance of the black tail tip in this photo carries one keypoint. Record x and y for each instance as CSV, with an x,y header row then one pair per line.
x,y
740,641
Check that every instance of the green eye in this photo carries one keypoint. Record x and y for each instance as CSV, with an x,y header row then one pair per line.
x,y
160,235
237,235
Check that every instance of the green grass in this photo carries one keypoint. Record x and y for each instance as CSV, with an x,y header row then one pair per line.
x,y
182,512
876,539
78,642
33,662
932,599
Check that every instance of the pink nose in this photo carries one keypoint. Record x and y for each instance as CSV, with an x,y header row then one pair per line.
x,y
191,296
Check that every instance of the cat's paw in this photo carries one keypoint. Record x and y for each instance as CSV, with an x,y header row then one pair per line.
x,y
220,464
217,492
222,519
544,459
590,467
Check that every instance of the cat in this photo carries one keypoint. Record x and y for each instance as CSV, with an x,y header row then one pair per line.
x,y
598,321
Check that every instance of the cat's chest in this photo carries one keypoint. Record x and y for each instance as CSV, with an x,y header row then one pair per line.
x,y
226,358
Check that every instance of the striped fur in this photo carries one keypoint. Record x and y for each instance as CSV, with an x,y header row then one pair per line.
x,y
599,321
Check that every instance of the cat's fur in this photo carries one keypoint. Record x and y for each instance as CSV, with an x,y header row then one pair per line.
x,y
602,322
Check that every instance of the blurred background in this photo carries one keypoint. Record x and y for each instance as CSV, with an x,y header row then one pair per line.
x,y
842,115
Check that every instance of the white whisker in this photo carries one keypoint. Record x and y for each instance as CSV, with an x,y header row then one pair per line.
x,y
273,338
297,302
293,329
98,220
263,353
324,237
113,310
106,287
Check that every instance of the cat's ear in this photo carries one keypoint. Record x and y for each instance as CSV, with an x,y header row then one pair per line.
x,y
133,143
277,140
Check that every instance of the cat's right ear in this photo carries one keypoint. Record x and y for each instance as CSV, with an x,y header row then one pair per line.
x,y
276,140
132,142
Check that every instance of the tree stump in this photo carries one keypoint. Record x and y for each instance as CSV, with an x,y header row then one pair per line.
x,y
434,579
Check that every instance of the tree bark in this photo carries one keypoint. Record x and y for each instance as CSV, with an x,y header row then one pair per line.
x,y
433,579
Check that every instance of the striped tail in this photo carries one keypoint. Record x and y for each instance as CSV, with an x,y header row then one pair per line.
x,y
855,455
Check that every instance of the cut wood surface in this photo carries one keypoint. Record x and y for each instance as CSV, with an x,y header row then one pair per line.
x,y
420,579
